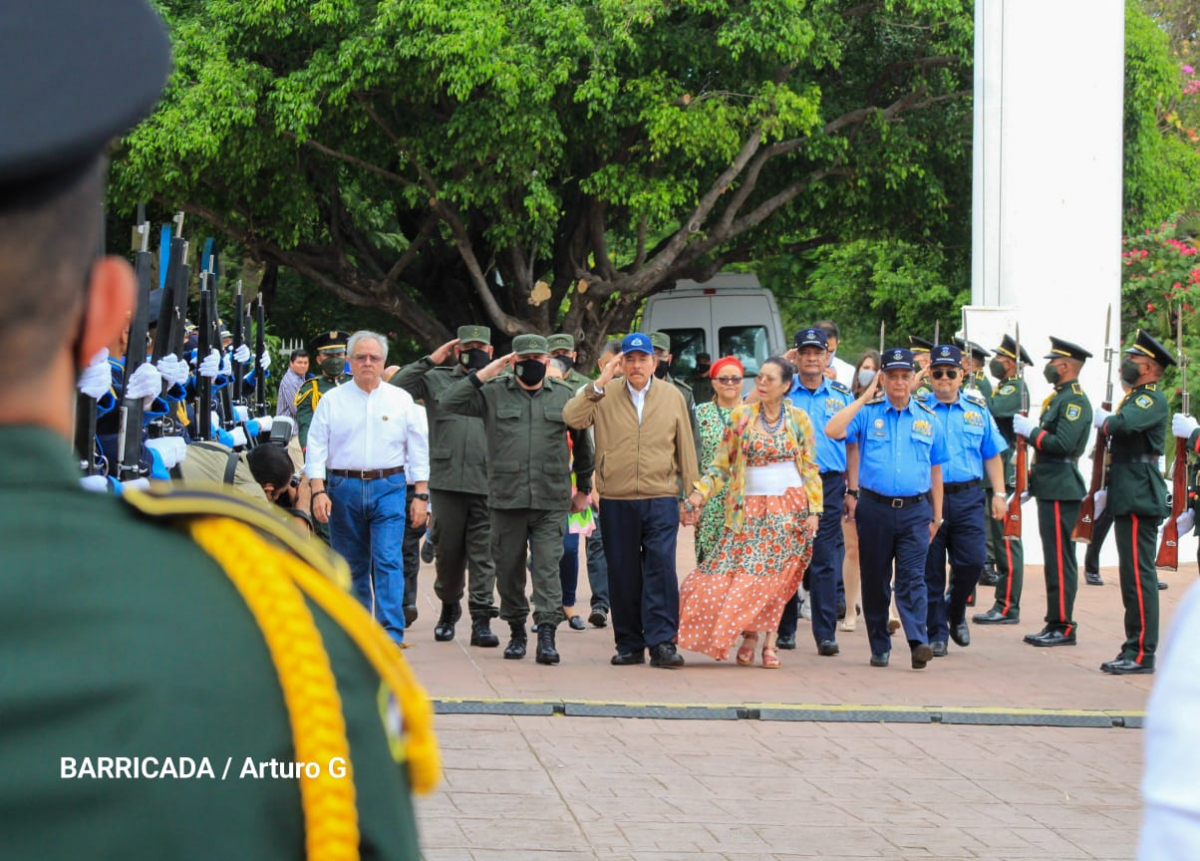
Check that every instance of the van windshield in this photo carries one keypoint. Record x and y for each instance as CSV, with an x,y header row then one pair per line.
x,y
686,344
748,343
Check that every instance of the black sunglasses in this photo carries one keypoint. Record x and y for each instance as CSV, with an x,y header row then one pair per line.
x,y
939,373
729,381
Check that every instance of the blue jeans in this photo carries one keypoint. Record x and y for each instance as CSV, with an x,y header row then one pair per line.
x,y
597,566
367,528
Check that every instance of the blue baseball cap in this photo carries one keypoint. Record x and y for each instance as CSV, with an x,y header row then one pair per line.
x,y
897,359
637,342
946,354
812,338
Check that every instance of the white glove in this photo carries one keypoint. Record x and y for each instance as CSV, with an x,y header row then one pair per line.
x,y
1099,417
1183,425
239,437
174,370
211,366
241,355
95,483
214,420
1101,500
1024,425
96,378
241,414
265,361
144,383
1185,522
167,451
226,367
264,424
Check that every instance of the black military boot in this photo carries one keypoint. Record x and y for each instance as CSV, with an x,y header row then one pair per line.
x,y
546,653
481,633
443,631
515,650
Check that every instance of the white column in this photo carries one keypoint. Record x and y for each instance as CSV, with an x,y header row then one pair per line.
x,y
1049,80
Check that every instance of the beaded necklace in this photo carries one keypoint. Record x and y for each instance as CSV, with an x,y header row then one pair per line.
x,y
769,427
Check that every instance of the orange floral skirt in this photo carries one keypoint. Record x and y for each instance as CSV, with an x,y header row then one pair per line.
x,y
750,576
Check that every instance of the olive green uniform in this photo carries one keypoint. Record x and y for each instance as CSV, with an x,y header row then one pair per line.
x,y
690,400
1006,401
529,482
979,380
458,486
1137,495
120,637
307,397
576,380
1055,480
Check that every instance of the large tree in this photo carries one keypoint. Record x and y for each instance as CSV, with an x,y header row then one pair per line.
x,y
548,163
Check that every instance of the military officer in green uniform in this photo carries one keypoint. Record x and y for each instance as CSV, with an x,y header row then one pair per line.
x,y
168,657
562,346
1058,439
920,349
662,370
1008,399
329,348
974,359
1137,496
529,482
458,486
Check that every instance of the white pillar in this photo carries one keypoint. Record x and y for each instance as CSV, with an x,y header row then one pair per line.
x,y
1046,208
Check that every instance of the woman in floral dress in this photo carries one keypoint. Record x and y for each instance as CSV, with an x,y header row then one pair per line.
x,y
727,374
767,462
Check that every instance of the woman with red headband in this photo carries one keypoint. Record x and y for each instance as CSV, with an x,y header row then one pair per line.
x,y
713,417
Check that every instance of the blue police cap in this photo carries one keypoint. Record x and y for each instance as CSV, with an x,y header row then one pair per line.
x,y
812,337
897,359
636,342
946,354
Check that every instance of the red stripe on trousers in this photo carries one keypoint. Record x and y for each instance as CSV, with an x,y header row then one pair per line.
x,y
1062,591
1008,590
1137,579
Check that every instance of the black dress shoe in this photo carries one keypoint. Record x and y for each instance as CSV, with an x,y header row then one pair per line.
x,y
546,651
1162,584
1123,666
827,649
427,551
481,633
515,650
625,659
921,655
599,617
995,617
938,648
443,631
665,657
1093,578
990,576
1051,638
410,614
880,660
577,623
785,641
841,609
961,634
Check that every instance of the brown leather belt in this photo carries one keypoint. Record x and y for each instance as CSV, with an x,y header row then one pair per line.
x,y
367,474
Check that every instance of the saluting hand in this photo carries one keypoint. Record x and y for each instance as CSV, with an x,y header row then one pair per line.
x,y
495,367
610,370
871,389
442,353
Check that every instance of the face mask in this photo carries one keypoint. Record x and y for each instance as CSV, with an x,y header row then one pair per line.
x,y
662,369
996,369
530,371
334,366
474,359
702,367
865,376
1051,374
1130,371
568,361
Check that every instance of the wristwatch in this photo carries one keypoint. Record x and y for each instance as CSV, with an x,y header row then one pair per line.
x,y
424,497
852,491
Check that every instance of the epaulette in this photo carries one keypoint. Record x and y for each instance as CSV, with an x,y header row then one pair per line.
x,y
924,406
1151,387
1076,389
921,395
163,501
556,381
879,398
840,387
975,396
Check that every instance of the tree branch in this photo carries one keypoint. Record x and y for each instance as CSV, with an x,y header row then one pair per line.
x,y
350,159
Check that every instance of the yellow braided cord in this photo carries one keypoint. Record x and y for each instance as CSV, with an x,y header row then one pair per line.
x,y
262,574
420,745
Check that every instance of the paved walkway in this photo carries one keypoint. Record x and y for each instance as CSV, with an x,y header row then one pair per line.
x,y
522,783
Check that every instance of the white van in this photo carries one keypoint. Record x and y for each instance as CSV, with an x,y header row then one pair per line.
x,y
730,315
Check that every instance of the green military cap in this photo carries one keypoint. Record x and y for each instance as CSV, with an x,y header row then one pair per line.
x,y
661,341
474,335
1060,349
1008,347
1144,345
529,345
334,339
561,341
919,345
977,351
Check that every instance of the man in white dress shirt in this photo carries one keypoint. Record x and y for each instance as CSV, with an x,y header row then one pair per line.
x,y
368,441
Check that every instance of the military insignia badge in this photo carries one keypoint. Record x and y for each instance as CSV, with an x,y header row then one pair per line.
x,y
922,427
1073,412
945,351
878,424
897,355
1144,401
1006,390
973,418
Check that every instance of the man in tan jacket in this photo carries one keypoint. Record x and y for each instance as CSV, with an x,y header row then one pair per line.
x,y
645,455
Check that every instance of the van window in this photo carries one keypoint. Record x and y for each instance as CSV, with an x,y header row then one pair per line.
x,y
685,345
748,343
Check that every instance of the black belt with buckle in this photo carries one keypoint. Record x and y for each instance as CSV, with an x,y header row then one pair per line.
x,y
894,501
367,474
1135,458
1053,458
960,486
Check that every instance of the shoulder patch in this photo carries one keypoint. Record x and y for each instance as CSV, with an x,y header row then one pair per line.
x,y
1144,401
976,397
840,387
1073,412
1007,389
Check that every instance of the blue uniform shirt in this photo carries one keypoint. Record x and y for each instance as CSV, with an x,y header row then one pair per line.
x,y
821,405
896,447
971,435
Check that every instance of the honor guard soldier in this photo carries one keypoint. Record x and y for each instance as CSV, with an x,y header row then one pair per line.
x,y
329,350
1059,438
562,346
1137,496
974,359
458,485
821,399
529,482
662,370
920,351
171,633
974,444
899,509
1007,400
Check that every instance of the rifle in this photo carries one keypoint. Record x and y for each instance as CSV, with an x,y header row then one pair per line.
x,y
237,343
129,436
882,332
1168,550
1012,518
1100,455
260,348
203,348
970,381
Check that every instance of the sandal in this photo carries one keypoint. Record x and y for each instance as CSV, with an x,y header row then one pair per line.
x,y
745,655
770,659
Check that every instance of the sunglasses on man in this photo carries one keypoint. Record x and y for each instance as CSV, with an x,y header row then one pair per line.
x,y
948,373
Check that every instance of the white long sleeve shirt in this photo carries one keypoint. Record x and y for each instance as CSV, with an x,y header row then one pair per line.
x,y
354,429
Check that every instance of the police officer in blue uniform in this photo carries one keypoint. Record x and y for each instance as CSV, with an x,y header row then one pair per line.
x,y
899,507
821,398
974,444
